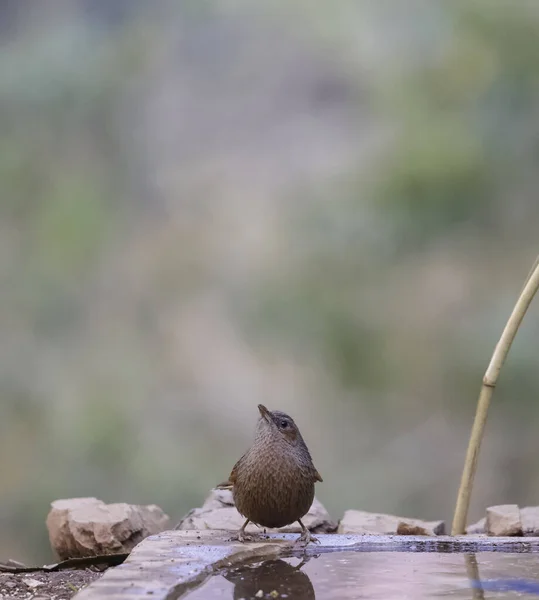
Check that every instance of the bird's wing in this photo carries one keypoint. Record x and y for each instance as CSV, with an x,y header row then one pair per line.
x,y
234,473
232,477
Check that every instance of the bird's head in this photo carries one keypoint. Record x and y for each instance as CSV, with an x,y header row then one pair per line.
x,y
277,423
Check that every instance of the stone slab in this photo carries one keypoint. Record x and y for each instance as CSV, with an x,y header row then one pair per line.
x,y
173,562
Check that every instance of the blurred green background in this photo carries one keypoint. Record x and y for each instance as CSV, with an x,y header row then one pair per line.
x,y
329,208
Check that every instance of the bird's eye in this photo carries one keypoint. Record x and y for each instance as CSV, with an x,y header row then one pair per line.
x,y
284,424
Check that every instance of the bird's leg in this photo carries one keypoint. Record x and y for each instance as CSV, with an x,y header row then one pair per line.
x,y
306,536
304,560
240,536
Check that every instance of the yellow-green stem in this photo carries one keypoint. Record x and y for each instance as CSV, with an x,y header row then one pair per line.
x,y
489,383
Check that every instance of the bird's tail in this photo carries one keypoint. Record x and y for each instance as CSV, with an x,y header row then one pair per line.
x,y
225,485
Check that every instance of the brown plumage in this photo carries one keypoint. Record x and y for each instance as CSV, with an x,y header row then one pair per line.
x,y
273,482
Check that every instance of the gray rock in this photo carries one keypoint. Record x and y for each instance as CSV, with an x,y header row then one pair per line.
x,y
529,517
87,526
503,520
219,513
362,522
477,528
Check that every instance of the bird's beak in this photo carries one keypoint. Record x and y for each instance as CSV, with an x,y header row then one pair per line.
x,y
264,412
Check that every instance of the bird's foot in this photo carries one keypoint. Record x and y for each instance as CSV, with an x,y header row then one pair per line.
x,y
241,537
305,538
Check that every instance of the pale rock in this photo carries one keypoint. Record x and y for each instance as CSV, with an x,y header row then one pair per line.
x,y
32,583
503,520
60,536
87,526
529,516
414,528
362,522
218,499
219,513
477,528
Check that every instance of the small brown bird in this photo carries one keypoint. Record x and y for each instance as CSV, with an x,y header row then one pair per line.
x,y
273,482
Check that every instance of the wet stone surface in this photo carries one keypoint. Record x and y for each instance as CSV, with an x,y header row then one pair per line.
x,y
380,575
189,563
175,561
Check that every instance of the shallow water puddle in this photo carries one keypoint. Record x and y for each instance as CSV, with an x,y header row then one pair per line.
x,y
380,575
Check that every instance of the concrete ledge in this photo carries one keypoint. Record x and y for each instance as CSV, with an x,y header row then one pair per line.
x,y
173,562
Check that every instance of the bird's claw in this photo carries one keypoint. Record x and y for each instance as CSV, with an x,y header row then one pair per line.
x,y
241,537
305,538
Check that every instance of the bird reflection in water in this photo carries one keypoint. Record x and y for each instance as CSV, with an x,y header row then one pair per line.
x,y
276,578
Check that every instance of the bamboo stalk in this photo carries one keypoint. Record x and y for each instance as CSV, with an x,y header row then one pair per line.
x,y
489,383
